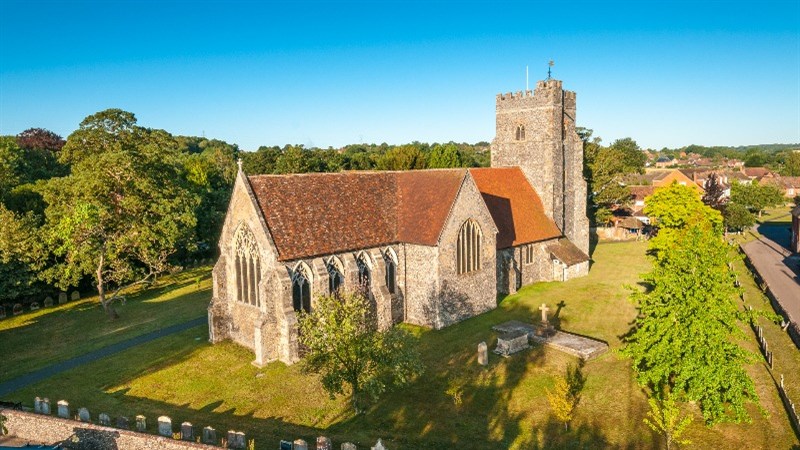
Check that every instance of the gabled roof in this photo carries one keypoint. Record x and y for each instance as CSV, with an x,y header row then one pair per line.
x,y
566,252
514,205
756,172
324,213
638,193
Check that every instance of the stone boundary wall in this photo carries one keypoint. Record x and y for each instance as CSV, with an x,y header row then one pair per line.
x,y
41,429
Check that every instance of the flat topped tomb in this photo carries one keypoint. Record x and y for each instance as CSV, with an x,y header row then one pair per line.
x,y
580,346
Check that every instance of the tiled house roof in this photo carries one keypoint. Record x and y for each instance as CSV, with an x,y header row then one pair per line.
x,y
515,206
325,213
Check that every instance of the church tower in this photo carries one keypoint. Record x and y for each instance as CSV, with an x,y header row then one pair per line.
x,y
536,131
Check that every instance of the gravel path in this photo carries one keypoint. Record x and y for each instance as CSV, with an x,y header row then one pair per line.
x,y
46,372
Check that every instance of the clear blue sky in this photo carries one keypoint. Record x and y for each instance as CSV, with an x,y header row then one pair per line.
x,y
328,74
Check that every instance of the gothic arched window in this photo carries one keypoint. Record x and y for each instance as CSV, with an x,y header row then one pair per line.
x,y
391,270
468,249
247,267
335,275
301,288
364,277
520,133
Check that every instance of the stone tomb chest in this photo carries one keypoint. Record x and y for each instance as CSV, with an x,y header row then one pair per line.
x,y
511,342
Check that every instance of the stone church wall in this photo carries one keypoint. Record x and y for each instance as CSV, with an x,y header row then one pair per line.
x,y
513,272
465,295
422,265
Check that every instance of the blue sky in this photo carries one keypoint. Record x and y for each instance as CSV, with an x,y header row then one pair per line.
x,y
331,73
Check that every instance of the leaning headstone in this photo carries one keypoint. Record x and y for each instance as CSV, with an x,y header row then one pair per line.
x,y
104,419
141,423
349,446
286,445
48,302
63,409
210,436
46,406
483,354
122,423
17,310
187,431
75,296
378,445
324,443
35,306
83,415
62,298
165,426
37,405
300,444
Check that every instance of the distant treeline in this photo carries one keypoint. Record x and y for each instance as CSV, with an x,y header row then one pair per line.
x,y
778,157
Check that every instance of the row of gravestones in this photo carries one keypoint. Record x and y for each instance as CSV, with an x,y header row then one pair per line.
x,y
324,443
235,439
18,309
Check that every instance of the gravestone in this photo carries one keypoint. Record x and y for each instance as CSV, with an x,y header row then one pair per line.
x,y
286,445
300,444
241,440
379,445
35,306
511,342
349,446
63,409
187,431
83,415
48,302
483,354
122,423
235,439
17,310
46,406
210,436
165,426
2,312
37,405
104,419
323,443
141,423
62,298
75,296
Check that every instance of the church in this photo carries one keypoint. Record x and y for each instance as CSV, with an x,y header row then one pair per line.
x,y
427,247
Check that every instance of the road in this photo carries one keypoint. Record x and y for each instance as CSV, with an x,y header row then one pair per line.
x,y
777,267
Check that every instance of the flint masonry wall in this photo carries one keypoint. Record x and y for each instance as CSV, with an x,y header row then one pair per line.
x,y
40,429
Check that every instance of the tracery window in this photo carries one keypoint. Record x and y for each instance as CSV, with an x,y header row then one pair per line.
x,y
364,276
301,288
247,267
520,133
468,249
391,270
335,275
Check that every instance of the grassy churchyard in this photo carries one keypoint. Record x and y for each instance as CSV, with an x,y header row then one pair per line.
x,y
454,402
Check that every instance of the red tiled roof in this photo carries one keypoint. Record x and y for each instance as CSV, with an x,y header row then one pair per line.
x,y
640,192
325,213
756,172
515,206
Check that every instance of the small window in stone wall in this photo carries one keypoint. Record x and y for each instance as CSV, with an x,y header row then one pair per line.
x,y
247,267
520,133
468,247
391,271
529,254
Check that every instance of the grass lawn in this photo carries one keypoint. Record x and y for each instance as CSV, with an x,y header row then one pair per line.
x,y
36,339
779,215
503,406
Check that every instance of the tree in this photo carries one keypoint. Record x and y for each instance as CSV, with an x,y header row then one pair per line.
x,y
665,418
444,156
605,169
40,139
20,255
791,165
405,157
684,338
567,394
10,163
756,197
714,192
737,217
343,345
124,209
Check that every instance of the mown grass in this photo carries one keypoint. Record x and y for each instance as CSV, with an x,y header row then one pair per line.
x,y
36,339
503,406
779,215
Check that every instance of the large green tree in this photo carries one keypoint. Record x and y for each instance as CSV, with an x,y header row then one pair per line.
x,y
124,209
444,156
756,197
20,255
343,345
685,340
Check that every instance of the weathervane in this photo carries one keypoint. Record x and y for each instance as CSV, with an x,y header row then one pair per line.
x,y
550,66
